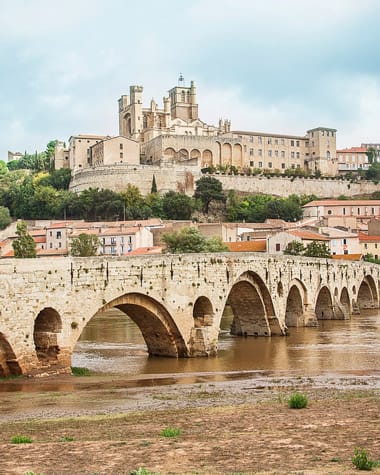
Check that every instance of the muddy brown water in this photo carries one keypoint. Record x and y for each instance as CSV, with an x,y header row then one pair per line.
x,y
112,343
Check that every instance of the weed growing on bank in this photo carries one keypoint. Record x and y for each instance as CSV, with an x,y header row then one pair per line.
x,y
297,401
142,471
77,371
170,432
361,460
33,473
21,439
66,438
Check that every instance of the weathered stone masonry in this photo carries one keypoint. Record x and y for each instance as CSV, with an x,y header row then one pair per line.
x,y
176,300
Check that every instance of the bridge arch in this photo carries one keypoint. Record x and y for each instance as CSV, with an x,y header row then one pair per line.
x,y
8,362
295,302
252,307
47,326
345,300
157,326
203,312
323,306
367,293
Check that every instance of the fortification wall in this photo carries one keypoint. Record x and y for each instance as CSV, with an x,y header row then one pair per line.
x,y
179,178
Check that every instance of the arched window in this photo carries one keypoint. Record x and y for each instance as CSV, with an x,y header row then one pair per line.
x,y
328,155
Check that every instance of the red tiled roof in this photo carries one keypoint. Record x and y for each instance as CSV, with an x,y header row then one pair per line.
x,y
347,257
343,203
365,238
352,150
146,250
39,239
307,235
247,246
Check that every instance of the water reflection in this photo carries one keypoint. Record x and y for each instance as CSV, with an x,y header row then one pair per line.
x,y
112,343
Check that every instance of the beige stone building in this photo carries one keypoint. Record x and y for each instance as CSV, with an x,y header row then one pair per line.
x,y
114,150
175,134
352,159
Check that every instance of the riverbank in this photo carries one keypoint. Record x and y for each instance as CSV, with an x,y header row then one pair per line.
x,y
104,425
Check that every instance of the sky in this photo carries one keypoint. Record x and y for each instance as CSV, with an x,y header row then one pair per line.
x,y
279,66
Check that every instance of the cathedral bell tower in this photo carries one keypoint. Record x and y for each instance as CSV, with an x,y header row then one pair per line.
x,y
183,101
130,113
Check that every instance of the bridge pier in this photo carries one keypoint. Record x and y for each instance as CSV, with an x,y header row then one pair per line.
x,y
203,342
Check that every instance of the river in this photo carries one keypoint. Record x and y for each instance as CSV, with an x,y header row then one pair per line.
x,y
111,343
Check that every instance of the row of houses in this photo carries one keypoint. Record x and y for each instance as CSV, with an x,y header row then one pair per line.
x,y
349,228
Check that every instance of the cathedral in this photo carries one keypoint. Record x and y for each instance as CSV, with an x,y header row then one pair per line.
x,y
173,134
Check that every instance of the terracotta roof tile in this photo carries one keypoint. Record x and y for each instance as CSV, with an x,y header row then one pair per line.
x,y
248,246
308,235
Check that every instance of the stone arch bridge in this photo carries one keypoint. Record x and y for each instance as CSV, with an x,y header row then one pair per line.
x,y
176,300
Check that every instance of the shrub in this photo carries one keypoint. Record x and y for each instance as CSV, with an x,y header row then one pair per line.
x,y
66,438
297,401
21,439
361,460
77,371
170,432
142,471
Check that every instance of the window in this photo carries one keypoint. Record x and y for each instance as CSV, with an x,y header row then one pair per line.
x,y
260,152
51,233
121,146
113,240
297,155
260,139
375,245
329,211
260,164
59,235
293,165
51,245
59,244
292,154
283,166
276,153
251,164
345,251
312,143
366,246
328,155
121,154
248,238
276,141
358,210
269,164
251,152
297,143
282,153
269,140
113,250
373,210
269,153
278,247
292,143
245,148
344,241
282,141
344,210
250,139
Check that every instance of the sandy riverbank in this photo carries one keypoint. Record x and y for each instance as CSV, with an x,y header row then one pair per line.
x,y
231,426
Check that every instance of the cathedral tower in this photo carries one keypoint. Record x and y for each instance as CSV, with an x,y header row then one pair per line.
x,y
183,101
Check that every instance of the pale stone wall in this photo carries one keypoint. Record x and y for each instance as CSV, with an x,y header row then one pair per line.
x,y
186,294
177,178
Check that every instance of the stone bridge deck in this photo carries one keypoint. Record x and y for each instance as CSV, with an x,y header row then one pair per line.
x,y
177,301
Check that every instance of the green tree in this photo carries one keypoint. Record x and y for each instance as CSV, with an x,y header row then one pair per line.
x,y
209,189
23,245
177,205
154,185
189,239
5,217
58,179
317,249
85,245
294,248
372,154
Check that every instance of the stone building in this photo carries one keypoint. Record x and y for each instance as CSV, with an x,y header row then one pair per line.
x,y
352,159
175,135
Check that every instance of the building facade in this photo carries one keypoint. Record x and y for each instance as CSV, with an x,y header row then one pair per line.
x,y
175,134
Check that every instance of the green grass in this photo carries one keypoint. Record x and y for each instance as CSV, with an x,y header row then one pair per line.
x,y
170,432
66,438
361,460
297,401
21,439
142,471
33,473
77,371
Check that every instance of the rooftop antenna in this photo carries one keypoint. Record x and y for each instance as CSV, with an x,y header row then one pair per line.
x,y
181,80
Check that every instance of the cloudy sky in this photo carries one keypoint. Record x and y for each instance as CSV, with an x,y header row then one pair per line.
x,y
268,65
